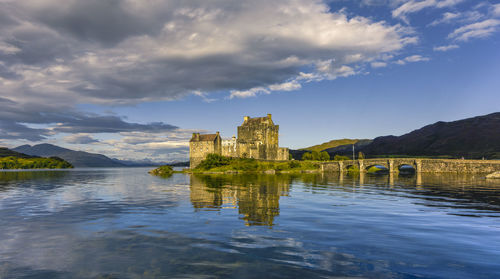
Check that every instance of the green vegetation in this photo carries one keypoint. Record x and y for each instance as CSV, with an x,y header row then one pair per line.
x,y
12,162
375,169
218,163
396,156
163,171
5,152
316,156
352,169
341,158
214,161
330,144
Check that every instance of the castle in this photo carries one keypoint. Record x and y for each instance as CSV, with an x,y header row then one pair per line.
x,y
257,138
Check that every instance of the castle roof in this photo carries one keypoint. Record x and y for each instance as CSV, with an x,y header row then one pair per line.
x,y
204,137
258,120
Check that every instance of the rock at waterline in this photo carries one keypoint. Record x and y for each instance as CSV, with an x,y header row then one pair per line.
x,y
494,175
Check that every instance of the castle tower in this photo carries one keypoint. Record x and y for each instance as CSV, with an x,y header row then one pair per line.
x,y
202,145
258,138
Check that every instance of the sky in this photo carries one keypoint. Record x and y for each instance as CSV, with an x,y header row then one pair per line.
x,y
133,79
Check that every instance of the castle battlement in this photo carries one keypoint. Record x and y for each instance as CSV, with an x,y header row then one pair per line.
x,y
258,138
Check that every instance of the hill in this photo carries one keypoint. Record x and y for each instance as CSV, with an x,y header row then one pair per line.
x,y
344,149
472,138
5,152
331,144
347,149
78,159
14,160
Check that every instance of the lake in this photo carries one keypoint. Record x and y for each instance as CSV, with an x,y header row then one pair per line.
x,y
124,223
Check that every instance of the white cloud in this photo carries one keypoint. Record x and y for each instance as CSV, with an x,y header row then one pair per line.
x,y
416,58
475,30
445,48
378,64
286,86
412,59
447,17
203,95
160,147
6,48
496,9
71,55
458,17
248,93
414,6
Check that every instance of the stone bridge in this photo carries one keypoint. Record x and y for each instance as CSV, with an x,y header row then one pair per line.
x,y
418,164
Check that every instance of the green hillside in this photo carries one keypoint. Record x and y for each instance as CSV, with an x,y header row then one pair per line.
x,y
33,163
5,152
14,160
330,144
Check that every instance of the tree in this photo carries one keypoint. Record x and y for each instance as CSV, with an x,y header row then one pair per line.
x,y
341,158
212,161
315,155
307,156
324,156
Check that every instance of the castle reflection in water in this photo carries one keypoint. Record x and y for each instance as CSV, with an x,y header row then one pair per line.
x,y
257,196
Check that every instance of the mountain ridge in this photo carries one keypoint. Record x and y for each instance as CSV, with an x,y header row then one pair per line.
x,y
331,144
78,159
474,138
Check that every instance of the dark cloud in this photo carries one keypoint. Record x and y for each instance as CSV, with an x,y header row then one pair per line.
x,y
6,73
184,75
63,120
80,139
109,124
56,54
120,51
103,21
12,130
37,46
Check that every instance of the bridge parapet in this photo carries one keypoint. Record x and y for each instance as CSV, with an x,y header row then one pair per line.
x,y
420,165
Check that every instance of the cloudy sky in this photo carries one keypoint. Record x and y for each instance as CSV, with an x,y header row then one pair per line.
x,y
134,78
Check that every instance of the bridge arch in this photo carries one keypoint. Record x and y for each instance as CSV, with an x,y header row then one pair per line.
x,y
419,164
380,168
407,168
351,167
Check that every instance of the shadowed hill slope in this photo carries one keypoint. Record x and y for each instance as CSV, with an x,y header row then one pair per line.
x,y
331,144
5,152
474,137
76,158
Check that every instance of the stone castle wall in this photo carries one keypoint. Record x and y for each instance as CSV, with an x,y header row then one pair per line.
x,y
229,148
283,154
257,138
201,145
420,165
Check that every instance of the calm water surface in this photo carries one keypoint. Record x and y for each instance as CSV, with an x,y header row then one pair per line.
x,y
123,223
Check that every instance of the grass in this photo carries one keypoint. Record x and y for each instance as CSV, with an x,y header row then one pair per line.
x,y
12,162
217,163
410,156
330,144
163,171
